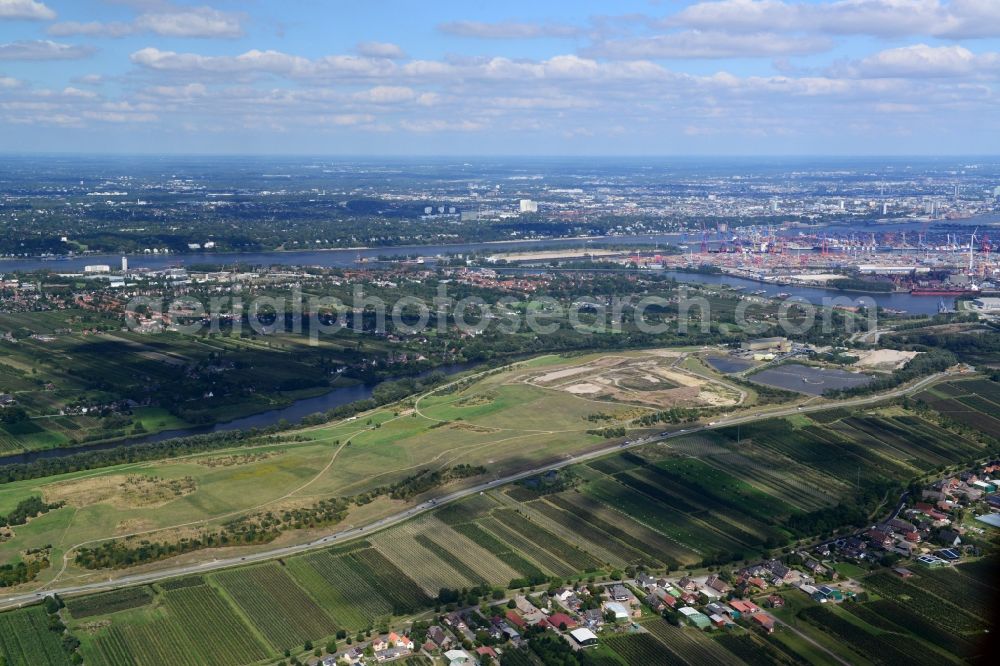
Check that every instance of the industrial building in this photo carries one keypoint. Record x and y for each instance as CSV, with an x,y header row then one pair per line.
x,y
782,345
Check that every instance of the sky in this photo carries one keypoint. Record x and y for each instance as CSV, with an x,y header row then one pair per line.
x,y
518,77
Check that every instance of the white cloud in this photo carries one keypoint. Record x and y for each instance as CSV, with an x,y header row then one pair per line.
x,y
508,29
386,95
923,61
119,117
347,67
9,82
90,79
711,44
251,61
957,18
177,93
438,125
42,49
380,50
70,91
892,107
346,119
25,9
91,29
197,22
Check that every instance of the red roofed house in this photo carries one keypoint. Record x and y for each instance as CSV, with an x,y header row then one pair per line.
x,y
400,641
744,607
557,620
765,621
516,619
485,650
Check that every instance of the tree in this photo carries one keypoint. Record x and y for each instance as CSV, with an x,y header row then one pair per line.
x,y
331,645
11,415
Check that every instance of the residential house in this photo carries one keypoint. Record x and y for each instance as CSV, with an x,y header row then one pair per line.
x,y
438,636
687,583
900,525
399,640
390,654
455,620
744,607
655,602
949,538
668,599
621,594
880,538
487,651
561,620
717,584
812,564
593,618
645,581
516,619
765,621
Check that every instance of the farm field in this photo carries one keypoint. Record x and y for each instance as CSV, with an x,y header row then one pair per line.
x,y
705,499
26,639
261,610
279,609
173,632
975,403
490,422
692,647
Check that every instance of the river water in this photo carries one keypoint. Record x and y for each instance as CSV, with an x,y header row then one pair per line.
x,y
348,258
291,413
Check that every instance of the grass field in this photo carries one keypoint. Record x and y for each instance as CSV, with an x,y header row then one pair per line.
x,y
502,421
707,498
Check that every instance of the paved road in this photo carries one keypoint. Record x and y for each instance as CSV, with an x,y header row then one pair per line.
x,y
15,600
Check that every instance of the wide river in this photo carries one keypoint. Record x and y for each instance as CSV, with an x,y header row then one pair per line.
x,y
344,258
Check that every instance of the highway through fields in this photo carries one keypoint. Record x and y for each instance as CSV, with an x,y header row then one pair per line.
x,y
344,535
